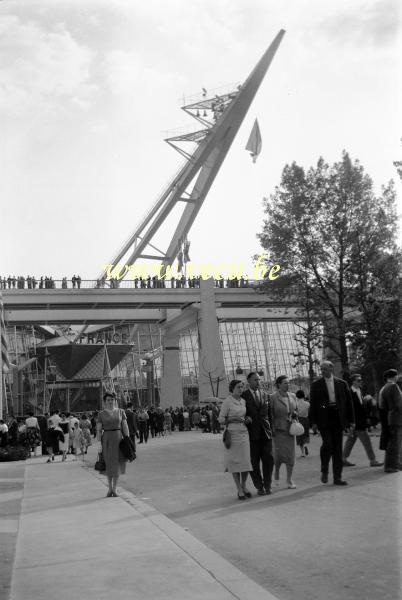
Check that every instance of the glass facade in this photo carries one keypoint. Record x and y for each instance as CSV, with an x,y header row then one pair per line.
x,y
271,348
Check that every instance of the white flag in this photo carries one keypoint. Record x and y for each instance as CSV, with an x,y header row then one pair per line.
x,y
254,143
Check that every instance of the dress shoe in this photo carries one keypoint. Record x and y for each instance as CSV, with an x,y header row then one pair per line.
x,y
324,477
340,482
391,471
346,463
375,463
291,485
247,494
115,494
268,491
241,496
109,494
261,492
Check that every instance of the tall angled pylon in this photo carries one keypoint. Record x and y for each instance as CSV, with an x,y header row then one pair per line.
x,y
222,116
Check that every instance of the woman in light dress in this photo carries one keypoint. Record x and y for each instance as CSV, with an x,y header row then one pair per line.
x,y
284,409
237,457
65,426
303,409
111,427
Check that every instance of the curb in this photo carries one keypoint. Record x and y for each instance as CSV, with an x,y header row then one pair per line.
x,y
222,571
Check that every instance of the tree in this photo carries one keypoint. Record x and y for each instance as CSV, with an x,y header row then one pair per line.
x,y
328,231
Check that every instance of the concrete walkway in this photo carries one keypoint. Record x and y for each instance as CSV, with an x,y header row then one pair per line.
x,y
74,542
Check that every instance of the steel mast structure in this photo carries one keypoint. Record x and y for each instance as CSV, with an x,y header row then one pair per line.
x,y
221,117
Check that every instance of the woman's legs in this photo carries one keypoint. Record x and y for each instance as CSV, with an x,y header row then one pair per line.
x,y
289,471
236,477
243,477
277,467
115,479
109,481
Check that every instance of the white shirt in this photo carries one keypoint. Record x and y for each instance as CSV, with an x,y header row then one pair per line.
x,y
31,422
73,422
331,389
54,420
3,428
358,392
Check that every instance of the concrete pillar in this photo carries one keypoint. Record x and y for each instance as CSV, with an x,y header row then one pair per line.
x,y
330,345
171,383
211,369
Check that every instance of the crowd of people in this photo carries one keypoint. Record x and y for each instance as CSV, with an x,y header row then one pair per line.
x,y
262,431
31,283
260,427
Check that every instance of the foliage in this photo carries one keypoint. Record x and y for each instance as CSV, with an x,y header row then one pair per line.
x,y
333,238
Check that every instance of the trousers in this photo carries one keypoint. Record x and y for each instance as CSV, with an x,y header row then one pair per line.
x,y
393,451
364,437
261,452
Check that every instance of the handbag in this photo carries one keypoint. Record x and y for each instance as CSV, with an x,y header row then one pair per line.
x,y
227,436
296,428
100,464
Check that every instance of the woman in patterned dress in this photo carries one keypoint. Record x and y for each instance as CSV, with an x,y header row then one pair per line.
x,y
85,425
33,437
111,427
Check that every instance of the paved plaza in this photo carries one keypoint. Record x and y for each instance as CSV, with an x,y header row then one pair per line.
x,y
177,530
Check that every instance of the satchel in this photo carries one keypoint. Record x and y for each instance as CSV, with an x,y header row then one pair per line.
x,y
227,436
100,464
296,428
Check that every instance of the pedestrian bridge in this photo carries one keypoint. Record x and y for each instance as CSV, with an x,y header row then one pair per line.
x,y
90,305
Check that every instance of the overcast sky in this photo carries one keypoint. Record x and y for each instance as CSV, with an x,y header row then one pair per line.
x,y
87,90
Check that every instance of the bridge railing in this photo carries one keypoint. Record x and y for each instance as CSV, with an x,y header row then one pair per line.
x,y
59,284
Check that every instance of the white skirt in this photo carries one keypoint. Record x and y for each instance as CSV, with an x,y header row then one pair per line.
x,y
237,458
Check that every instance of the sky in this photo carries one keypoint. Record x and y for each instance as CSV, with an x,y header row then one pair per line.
x,y
88,90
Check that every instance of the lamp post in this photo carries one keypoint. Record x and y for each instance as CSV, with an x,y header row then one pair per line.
x,y
149,369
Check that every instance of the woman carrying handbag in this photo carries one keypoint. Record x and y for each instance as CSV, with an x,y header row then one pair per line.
x,y
110,428
284,411
237,452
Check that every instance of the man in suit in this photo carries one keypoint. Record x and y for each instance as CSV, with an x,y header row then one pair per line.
x,y
361,423
131,422
331,411
390,404
260,433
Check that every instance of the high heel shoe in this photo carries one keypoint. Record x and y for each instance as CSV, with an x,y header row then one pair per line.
x,y
241,496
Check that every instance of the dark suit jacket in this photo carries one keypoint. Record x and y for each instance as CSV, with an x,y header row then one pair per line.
x,y
319,400
261,416
360,411
391,402
131,421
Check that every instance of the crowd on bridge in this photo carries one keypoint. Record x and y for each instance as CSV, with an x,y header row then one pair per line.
x,y
31,283
175,282
49,283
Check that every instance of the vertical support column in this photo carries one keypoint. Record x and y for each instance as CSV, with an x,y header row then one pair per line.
x,y
331,346
211,369
171,383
